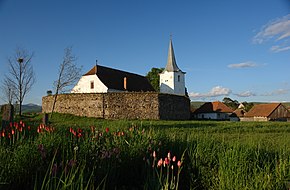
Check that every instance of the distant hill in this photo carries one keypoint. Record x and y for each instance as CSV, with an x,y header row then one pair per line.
x,y
30,108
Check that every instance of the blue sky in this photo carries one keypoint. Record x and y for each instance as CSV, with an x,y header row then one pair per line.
x,y
234,48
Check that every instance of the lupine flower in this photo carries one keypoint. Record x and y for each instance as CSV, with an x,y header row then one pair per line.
x,y
168,155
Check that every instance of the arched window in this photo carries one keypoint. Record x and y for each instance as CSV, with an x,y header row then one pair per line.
x,y
178,78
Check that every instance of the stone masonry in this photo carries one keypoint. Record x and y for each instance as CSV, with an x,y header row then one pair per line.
x,y
121,105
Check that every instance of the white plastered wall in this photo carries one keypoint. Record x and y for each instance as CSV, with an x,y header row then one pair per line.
x,y
84,85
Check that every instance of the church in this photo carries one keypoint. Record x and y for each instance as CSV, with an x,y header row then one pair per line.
x,y
109,93
101,79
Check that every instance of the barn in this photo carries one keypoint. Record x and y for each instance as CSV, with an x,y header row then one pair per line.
x,y
267,112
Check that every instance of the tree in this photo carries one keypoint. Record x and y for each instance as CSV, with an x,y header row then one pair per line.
x,y
68,75
231,103
20,78
153,77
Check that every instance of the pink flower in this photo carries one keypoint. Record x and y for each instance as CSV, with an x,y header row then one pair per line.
x,y
154,154
168,155
179,163
174,158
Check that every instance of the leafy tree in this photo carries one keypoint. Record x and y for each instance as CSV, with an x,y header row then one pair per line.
x,y
68,74
20,77
153,77
231,103
248,105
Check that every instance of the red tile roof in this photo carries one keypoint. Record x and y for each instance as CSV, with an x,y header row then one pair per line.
x,y
262,110
114,79
210,107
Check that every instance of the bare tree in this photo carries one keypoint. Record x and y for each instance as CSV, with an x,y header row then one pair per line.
x,y
8,92
21,75
68,75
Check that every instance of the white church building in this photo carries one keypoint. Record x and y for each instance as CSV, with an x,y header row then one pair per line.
x,y
102,79
172,79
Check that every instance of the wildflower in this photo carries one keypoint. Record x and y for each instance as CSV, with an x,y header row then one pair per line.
x,y
154,154
168,155
28,128
179,163
174,158
166,161
12,132
76,148
107,130
3,133
160,162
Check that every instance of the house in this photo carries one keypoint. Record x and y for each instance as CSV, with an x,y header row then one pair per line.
x,y
172,79
213,110
267,112
237,114
102,79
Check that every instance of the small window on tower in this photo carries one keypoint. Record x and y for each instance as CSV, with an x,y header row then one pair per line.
x,y
178,78
92,85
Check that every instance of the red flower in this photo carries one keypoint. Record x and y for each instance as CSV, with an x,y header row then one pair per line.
x,y
160,162
166,161
107,130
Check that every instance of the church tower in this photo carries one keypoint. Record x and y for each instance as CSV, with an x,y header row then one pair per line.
x,y
172,79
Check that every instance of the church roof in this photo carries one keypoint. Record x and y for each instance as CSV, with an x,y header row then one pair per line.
x,y
114,79
212,107
171,65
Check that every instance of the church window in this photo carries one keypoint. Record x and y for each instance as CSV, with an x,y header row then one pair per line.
x,y
166,80
92,84
178,78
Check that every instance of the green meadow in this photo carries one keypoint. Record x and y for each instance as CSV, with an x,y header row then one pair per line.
x,y
86,153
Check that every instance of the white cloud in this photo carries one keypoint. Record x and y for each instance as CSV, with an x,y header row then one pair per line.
x,y
276,92
242,65
279,48
246,94
277,30
214,92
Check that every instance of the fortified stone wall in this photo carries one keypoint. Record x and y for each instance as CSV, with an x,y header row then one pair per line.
x,y
121,105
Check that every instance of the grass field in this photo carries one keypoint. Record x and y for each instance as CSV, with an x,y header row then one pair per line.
x,y
87,153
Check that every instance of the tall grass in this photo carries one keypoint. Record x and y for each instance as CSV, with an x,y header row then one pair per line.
x,y
87,153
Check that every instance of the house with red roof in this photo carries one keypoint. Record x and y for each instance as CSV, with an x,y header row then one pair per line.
x,y
102,79
267,112
213,111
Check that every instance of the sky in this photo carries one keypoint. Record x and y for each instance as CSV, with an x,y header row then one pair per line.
x,y
230,48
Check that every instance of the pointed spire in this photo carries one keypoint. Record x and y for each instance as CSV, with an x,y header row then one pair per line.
x,y
171,62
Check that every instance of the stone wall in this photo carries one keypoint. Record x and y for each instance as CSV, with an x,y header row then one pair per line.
x,y
121,105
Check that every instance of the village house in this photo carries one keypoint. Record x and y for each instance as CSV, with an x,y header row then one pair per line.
x,y
102,79
238,114
213,111
267,112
